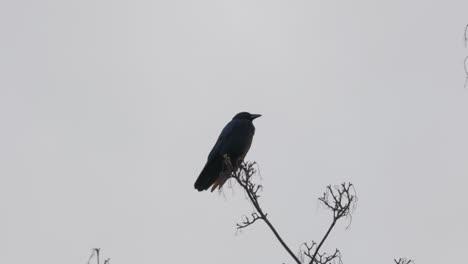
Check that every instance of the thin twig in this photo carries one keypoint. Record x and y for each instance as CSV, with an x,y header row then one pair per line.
x,y
323,240
466,35
96,252
93,252
243,177
404,261
339,199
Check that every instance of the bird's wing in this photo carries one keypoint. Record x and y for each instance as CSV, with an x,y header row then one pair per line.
x,y
214,166
220,146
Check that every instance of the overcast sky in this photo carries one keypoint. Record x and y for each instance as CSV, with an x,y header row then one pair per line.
x,y
108,110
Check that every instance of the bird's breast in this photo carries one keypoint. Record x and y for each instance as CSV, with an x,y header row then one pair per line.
x,y
240,139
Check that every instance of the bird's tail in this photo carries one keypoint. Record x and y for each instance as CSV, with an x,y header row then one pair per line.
x,y
209,174
221,180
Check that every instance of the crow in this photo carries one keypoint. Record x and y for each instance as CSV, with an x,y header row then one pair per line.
x,y
233,143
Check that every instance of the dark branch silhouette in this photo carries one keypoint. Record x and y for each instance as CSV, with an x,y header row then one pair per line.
x,y
96,253
244,176
341,200
404,261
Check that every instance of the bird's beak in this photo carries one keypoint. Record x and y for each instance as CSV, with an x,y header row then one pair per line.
x,y
253,116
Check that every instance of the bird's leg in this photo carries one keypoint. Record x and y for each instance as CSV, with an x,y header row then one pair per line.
x,y
227,162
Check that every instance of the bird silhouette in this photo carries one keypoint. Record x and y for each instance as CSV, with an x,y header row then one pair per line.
x,y
232,145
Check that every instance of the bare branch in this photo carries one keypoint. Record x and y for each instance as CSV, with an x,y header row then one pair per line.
x,y
96,253
341,200
404,261
466,35
93,253
325,258
244,176
320,258
248,221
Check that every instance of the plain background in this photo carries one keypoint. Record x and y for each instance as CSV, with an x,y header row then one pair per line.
x,y
108,110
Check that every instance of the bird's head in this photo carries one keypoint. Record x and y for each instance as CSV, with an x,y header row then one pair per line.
x,y
246,116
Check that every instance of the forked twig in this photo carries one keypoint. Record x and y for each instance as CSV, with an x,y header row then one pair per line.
x,y
404,261
244,176
96,253
339,199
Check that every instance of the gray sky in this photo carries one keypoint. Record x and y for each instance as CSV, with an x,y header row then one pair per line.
x,y
108,110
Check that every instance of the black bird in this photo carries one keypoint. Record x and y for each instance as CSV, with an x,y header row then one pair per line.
x,y
234,142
